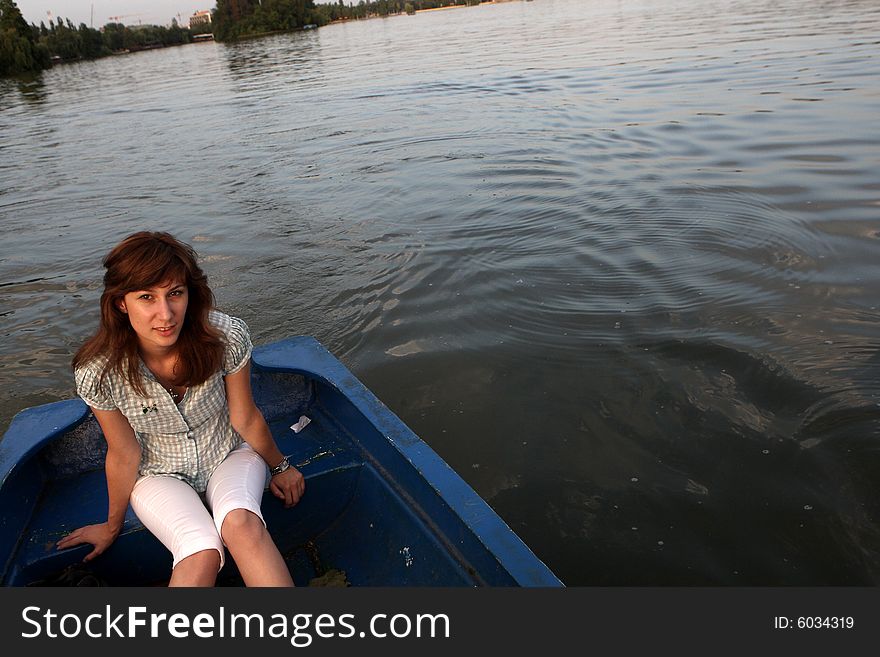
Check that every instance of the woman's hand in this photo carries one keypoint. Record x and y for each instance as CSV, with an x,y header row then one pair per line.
x,y
288,486
100,536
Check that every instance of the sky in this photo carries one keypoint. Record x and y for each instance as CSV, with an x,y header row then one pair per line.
x,y
157,12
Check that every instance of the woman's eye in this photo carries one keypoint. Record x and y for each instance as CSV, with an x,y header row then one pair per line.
x,y
146,297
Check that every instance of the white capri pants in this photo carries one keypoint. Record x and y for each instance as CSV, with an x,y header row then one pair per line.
x,y
175,514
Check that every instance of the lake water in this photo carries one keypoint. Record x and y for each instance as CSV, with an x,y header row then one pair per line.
x,y
616,262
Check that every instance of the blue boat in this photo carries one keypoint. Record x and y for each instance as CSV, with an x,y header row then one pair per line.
x,y
381,507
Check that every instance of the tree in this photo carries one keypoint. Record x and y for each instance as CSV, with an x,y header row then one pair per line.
x,y
65,41
114,34
233,19
19,53
11,19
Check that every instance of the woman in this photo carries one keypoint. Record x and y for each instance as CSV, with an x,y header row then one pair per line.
x,y
168,379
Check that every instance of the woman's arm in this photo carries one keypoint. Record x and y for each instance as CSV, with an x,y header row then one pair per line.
x,y
249,422
121,467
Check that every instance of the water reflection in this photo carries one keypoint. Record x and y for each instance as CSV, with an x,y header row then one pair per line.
x,y
281,59
31,89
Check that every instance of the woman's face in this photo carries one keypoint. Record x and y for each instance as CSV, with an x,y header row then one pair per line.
x,y
156,315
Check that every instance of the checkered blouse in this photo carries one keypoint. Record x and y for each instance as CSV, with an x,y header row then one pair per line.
x,y
186,440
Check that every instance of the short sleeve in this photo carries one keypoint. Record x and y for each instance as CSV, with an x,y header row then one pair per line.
x,y
92,389
238,346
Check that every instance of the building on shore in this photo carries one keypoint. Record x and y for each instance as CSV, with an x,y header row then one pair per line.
x,y
200,19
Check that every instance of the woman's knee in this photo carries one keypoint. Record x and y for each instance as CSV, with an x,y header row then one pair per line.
x,y
242,526
197,569
209,558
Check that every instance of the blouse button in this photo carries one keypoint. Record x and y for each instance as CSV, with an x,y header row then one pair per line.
x,y
189,434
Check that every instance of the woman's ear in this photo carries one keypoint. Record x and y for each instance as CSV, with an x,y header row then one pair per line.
x,y
121,305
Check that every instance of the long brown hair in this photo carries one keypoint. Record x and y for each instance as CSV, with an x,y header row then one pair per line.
x,y
141,261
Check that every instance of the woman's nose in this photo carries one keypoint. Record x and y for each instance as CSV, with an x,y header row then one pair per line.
x,y
163,310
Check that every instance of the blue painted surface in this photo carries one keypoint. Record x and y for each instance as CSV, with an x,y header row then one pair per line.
x,y
380,505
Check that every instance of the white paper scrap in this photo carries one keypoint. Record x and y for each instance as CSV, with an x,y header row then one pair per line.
x,y
301,424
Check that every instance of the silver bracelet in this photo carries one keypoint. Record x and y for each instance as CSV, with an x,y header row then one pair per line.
x,y
281,467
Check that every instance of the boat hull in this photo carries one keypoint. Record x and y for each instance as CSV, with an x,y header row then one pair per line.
x,y
381,508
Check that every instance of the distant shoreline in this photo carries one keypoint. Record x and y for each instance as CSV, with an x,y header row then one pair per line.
x,y
421,11
339,21
483,2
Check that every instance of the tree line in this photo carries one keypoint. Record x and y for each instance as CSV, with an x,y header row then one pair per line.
x,y
235,19
28,48
25,48
363,9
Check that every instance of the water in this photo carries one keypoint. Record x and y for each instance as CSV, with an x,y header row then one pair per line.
x,y
615,261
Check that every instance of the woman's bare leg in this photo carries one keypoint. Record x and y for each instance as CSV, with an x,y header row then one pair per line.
x,y
255,553
199,569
